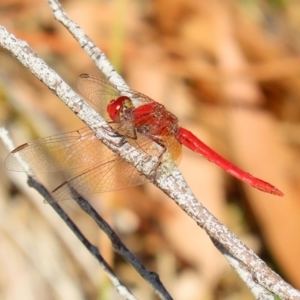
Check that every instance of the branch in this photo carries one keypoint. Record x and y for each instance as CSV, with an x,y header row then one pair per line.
x,y
173,185
259,292
119,286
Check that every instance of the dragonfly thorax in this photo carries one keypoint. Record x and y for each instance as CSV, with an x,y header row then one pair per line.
x,y
154,120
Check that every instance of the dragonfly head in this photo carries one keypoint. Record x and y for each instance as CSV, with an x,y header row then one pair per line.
x,y
117,107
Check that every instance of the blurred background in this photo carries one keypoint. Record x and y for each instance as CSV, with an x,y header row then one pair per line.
x,y
229,70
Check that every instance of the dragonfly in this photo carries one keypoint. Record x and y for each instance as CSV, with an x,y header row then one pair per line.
x,y
141,121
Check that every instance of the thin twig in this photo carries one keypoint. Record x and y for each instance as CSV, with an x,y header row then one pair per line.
x,y
121,288
173,185
118,246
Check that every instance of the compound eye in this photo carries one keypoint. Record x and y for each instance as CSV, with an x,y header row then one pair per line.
x,y
113,110
117,107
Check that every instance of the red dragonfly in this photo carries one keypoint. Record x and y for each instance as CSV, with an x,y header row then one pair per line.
x,y
148,126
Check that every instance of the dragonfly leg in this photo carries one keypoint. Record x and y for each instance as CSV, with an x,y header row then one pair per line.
x,y
116,131
161,154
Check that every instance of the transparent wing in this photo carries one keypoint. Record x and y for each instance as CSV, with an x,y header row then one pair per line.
x,y
71,150
174,148
113,175
100,92
96,168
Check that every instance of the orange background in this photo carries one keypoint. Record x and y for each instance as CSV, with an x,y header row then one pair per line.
x,y
229,70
